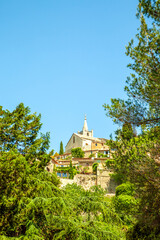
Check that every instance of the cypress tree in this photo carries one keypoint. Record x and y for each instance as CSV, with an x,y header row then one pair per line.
x,y
61,151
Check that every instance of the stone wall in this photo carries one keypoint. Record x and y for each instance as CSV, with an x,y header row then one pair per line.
x,y
73,143
65,181
105,181
84,180
87,181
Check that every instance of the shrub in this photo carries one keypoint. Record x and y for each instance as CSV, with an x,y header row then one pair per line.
x,y
125,189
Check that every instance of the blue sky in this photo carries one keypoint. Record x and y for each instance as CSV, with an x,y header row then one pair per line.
x,y
65,59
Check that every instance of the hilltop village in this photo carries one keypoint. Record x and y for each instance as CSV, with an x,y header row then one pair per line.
x,y
89,169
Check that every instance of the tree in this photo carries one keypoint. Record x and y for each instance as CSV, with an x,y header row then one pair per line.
x,y
61,151
33,207
143,86
20,129
125,203
136,158
127,131
72,170
23,186
77,152
94,167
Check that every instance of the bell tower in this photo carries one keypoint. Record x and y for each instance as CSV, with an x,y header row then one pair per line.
x,y
85,131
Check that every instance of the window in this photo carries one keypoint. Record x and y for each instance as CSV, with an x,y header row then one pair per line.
x,y
107,153
64,175
87,134
96,144
73,139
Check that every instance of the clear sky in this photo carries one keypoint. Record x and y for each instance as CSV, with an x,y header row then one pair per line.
x,y
65,59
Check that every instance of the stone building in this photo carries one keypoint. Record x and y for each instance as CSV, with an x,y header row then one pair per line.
x,y
85,175
85,140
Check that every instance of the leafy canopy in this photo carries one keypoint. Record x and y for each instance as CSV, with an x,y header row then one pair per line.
x,y
136,158
143,85
77,152
20,130
33,207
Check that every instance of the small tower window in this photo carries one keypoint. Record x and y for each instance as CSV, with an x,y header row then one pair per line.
x,y
87,134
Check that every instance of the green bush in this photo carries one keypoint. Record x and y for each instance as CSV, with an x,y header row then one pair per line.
x,y
77,152
125,203
91,155
125,189
110,163
94,167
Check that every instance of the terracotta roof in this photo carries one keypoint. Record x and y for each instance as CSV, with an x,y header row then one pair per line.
x,y
88,161
64,154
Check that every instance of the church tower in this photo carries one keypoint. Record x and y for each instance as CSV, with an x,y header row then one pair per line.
x,y
85,131
85,127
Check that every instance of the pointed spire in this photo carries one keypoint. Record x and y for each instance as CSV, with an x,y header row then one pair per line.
x,y
85,127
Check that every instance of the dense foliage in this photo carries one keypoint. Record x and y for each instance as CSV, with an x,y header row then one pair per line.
x,y
136,158
24,191
77,152
33,207
20,130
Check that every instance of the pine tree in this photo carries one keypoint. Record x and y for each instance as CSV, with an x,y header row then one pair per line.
x,y
136,158
61,151
20,130
143,85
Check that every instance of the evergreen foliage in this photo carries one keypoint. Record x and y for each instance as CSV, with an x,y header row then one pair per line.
x,y
136,158
61,151
125,189
72,170
127,131
94,167
33,207
126,204
23,187
143,86
20,130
